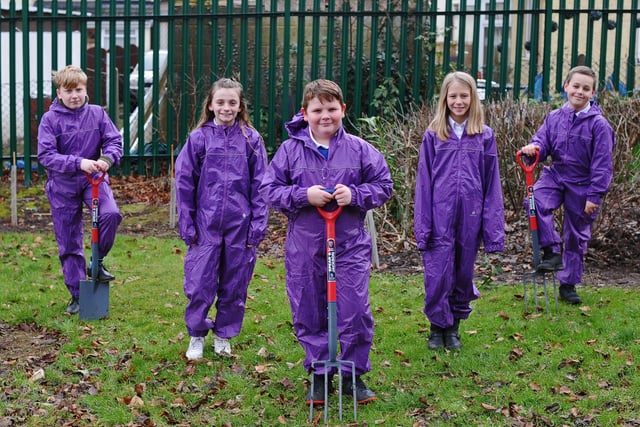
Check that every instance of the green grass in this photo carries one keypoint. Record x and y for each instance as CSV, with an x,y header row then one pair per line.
x,y
573,367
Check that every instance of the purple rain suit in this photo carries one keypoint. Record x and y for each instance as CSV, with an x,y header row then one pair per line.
x,y
458,205
296,166
581,170
65,137
220,213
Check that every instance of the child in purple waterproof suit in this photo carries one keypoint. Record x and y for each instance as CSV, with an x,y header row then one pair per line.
x,y
458,205
74,138
319,154
221,215
580,142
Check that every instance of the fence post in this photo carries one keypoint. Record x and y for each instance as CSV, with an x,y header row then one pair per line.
x,y
371,229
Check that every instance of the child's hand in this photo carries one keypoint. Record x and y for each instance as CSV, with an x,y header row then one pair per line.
x,y
342,195
530,150
590,207
89,166
317,196
102,165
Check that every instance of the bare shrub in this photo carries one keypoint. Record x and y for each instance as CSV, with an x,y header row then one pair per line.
x,y
514,123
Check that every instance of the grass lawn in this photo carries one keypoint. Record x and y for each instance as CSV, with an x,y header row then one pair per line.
x,y
578,366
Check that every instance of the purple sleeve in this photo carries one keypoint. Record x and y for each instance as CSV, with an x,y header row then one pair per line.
x,y
601,161
111,143
376,187
188,168
259,211
542,139
422,215
48,154
276,187
493,205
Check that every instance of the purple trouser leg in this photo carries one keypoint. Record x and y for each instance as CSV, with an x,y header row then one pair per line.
x,y
200,286
109,217
67,225
236,269
355,321
218,270
448,283
577,225
66,214
308,298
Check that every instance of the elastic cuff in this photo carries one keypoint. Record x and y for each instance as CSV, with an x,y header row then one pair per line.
x,y
107,160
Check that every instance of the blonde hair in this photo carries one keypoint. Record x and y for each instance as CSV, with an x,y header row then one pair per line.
x,y
475,121
70,77
584,70
324,90
225,83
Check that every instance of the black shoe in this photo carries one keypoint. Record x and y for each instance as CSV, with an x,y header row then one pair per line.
x,y
74,305
436,338
103,274
452,337
568,293
317,392
551,261
363,393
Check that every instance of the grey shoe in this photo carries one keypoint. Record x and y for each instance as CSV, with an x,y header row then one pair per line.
x,y
74,305
452,337
436,338
568,293
363,393
551,261
317,392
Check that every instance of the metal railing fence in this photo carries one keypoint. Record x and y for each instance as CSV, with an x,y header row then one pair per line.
x,y
384,54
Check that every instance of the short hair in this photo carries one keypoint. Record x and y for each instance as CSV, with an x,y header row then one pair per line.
x,y
69,77
324,90
584,70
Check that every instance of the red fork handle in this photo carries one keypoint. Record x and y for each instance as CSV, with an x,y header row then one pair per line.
x,y
95,185
95,181
528,168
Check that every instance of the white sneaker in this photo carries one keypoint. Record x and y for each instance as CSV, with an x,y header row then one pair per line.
x,y
221,346
196,348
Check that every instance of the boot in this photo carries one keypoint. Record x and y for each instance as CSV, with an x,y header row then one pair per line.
x,y
74,305
363,393
568,293
317,392
436,338
452,337
551,261
103,273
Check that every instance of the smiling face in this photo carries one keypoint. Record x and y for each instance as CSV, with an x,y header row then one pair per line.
x,y
225,105
324,118
458,101
73,98
580,88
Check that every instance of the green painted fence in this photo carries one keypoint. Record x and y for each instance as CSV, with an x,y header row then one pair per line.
x,y
385,55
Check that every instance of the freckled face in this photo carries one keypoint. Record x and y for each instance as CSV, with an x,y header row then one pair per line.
x,y
458,101
580,89
225,106
73,98
324,118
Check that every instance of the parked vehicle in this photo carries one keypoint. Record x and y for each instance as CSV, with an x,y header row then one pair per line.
x,y
148,72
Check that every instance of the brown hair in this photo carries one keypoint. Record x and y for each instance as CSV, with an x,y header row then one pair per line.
x,y
69,77
584,70
225,83
324,90
475,121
